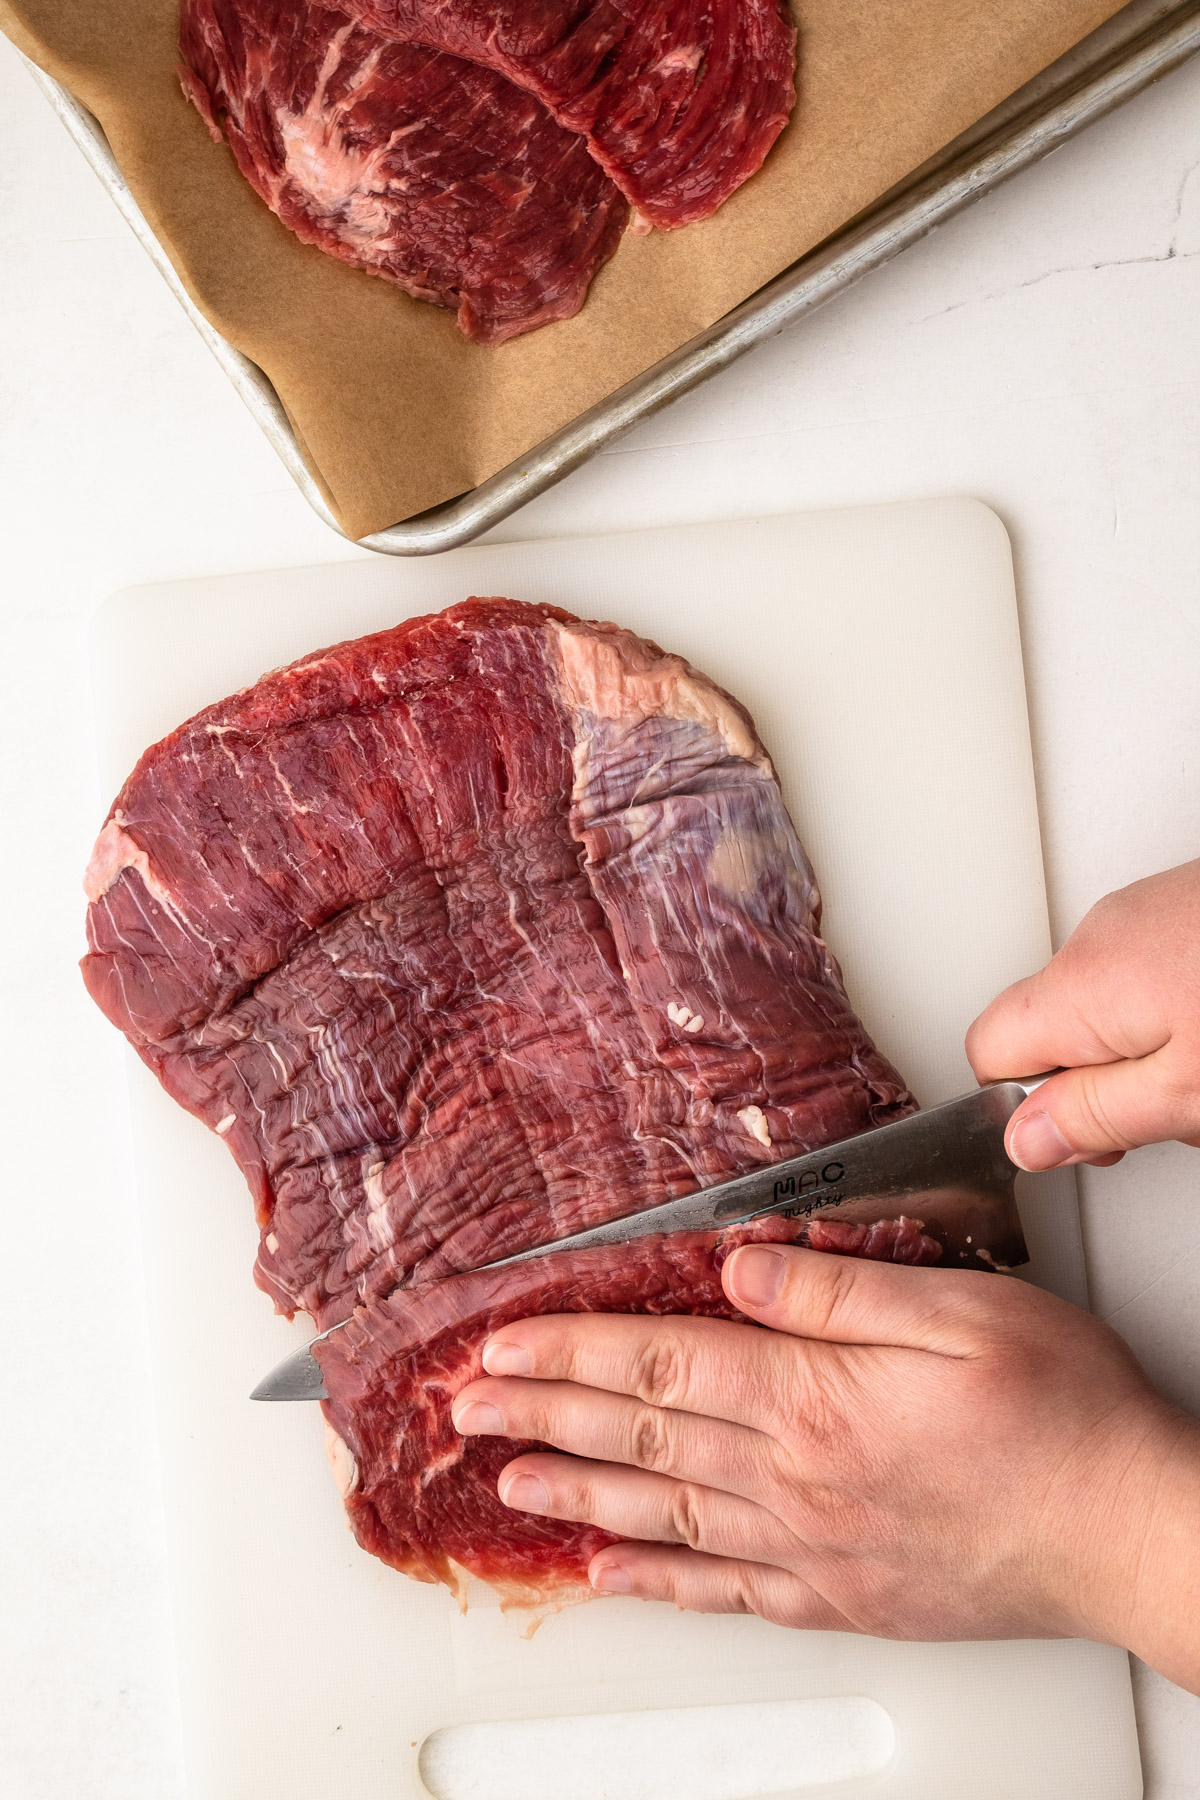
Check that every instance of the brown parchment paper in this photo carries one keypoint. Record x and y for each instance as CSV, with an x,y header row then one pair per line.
x,y
394,409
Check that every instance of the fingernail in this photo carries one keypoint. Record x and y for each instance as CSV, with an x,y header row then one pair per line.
x,y
477,1418
525,1493
1035,1142
756,1275
611,1578
502,1357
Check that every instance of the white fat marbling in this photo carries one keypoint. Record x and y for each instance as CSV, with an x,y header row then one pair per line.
x,y
342,1462
755,1121
684,1017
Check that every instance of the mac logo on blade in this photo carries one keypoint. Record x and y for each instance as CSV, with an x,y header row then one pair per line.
x,y
809,1190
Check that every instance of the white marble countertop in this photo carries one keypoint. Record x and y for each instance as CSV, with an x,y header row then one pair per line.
x,y
1041,353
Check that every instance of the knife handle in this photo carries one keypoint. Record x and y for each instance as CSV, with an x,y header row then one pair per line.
x,y
1029,1083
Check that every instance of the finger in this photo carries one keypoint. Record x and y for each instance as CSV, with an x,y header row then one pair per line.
x,y
1036,1024
1095,1114
848,1300
615,1428
708,1366
634,1503
713,1584
1117,991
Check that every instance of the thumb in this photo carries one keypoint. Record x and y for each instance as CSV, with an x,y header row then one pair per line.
x,y
846,1300
1094,1114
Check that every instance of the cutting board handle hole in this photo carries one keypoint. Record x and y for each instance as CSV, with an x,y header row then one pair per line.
x,y
743,1752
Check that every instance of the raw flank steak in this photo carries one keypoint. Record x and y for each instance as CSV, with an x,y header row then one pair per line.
x,y
435,173
680,100
464,936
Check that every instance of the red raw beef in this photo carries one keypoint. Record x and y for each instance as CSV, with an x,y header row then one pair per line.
x,y
436,173
423,1498
679,100
467,935
885,1240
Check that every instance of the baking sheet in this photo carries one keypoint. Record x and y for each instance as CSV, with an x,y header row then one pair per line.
x,y
393,410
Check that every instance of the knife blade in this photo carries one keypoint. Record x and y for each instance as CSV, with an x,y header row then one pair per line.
x,y
954,1149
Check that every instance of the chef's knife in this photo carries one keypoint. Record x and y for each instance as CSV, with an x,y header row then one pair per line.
x,y
956,1149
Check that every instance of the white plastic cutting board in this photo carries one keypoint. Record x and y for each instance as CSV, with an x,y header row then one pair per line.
x,y
879,652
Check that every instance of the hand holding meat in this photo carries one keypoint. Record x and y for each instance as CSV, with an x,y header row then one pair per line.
x,y
1119,1010
909,1453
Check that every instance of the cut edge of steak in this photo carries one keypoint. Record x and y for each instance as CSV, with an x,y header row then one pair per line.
x,y
433,172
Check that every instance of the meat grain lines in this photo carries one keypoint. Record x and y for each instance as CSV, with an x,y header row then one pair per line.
x,y
433,172
484,157
679,100
442,1005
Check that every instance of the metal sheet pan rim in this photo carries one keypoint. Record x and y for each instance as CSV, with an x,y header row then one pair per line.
x,y
1113,77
